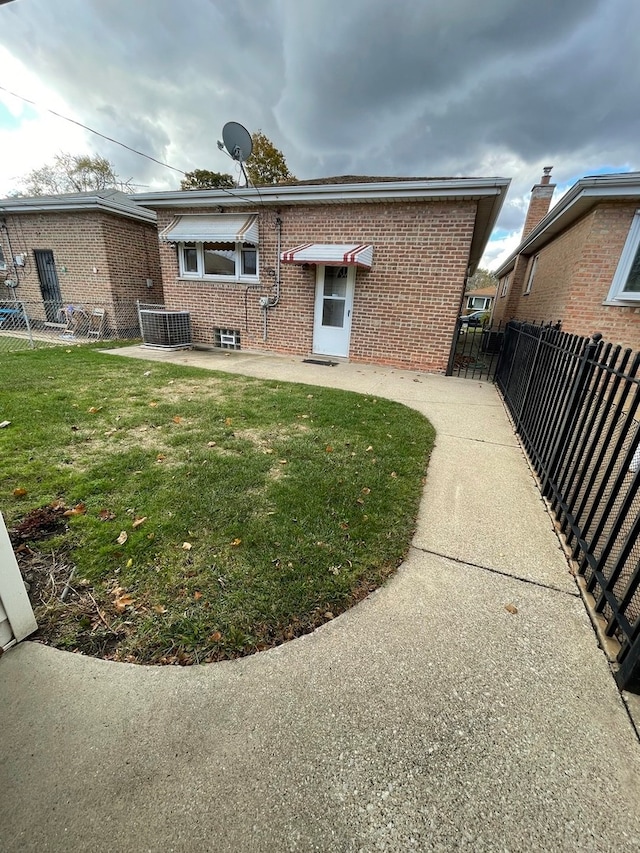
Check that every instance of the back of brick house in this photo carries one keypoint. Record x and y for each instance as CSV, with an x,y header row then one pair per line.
x,y
578,263
104,251
406,246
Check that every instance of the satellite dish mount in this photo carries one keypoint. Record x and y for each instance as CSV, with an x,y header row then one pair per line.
x,y
237,141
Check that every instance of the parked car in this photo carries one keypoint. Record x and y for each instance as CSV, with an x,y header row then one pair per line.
x,y
475,320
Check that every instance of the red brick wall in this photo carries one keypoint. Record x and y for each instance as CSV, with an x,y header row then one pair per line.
x,y
123,252
405,307
573,277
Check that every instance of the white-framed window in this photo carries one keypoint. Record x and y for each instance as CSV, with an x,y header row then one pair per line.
x,y
625,287
532,274
478,303
218,260
505,286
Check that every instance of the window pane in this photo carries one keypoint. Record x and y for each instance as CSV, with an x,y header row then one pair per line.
x,y
633,281
219,258
335,281
333,312
249,260
190,257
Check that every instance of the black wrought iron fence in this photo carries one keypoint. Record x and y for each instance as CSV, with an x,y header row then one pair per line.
x,y
475,350
575,403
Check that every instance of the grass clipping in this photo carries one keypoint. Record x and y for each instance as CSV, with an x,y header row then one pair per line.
x,y
168,515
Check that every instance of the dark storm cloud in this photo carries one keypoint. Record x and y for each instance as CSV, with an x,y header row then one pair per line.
x,y
410,87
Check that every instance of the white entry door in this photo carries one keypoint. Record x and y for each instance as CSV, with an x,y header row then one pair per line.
x,y
334,306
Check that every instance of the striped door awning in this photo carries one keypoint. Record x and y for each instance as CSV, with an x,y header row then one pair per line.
x,y
330,254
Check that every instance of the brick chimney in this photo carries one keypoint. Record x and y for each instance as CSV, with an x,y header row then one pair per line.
x,y
540,201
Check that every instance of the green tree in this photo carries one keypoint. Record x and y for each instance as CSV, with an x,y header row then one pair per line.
x,y
481,278
71,173
203,179
266,164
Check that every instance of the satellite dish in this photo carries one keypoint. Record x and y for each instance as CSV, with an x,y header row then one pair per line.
x,y
237,141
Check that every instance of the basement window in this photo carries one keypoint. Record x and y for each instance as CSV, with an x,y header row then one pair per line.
x,y
625,287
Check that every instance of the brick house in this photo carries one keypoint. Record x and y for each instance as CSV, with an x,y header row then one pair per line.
x,y
580,261
98,249
372,269
480,299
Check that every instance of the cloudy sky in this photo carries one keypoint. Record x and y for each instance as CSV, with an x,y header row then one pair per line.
x,y
376,87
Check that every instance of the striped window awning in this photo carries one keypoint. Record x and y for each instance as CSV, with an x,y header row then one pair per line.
x,y
330,254
214,228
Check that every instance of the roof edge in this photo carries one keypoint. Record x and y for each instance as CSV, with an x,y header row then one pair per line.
x,y
577,201
55,204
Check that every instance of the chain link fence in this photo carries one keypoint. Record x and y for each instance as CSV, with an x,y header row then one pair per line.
x,y
34,324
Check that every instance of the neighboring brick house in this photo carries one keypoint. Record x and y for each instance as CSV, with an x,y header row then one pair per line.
x,y
480,299
95,248
372,269
580,262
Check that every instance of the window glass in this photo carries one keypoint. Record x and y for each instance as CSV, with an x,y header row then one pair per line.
x,y
190,257
219,258
632,284
249,259
335,282
333,312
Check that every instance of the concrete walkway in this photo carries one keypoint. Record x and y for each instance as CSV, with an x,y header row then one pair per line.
x,y
428,717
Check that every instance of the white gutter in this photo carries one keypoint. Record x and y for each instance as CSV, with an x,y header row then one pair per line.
x,y
460,188
48,204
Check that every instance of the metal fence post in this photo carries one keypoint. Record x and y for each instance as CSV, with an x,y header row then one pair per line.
x,y
582,377
28,325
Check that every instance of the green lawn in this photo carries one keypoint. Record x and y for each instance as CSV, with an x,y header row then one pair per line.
x,y
215,515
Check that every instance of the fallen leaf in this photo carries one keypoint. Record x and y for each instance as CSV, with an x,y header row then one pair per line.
x,y
138,521
122,538
153,404
511,608
59,504
368,449
187,546
129,563
19,493
282,461
211,444
158,608
93,410
328,449
78,509
366,491
177,419
236,542
147,373
228,421
171,381
160,457
359,501
5,424
151,535
122,602
216,637
328,615
393,474
344,525
197,595
109,431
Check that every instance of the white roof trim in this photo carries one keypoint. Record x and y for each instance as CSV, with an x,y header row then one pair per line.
x,y
330,254
578,201
216,227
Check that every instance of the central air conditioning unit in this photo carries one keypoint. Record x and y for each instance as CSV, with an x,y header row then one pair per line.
x,y
165,329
